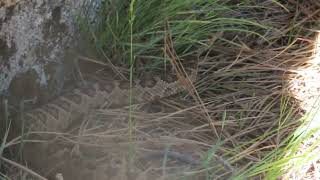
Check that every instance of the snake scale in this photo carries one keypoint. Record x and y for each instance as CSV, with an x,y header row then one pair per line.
x,y
58,114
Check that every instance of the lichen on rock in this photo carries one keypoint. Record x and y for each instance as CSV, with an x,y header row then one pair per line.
x,y
34,33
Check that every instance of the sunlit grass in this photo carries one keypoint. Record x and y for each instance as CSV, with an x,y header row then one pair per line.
x,y
292,158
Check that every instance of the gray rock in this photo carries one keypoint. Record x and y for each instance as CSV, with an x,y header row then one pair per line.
x,y
34,33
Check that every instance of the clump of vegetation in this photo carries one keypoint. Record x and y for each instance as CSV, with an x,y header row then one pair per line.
x,y
245,52
192,24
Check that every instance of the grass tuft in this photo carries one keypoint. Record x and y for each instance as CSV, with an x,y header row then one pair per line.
x,y
190,23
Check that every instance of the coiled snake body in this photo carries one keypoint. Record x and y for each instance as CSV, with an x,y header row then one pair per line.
x,y
61,112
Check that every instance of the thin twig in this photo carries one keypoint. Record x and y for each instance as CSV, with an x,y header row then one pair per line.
x,y
23,168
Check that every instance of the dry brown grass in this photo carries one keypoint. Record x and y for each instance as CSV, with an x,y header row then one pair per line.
x,y
240,108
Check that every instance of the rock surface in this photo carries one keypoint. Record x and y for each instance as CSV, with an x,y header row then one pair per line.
x,y
33,34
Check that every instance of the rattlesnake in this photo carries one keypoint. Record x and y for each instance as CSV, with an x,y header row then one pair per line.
x,y
96,93
64,112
